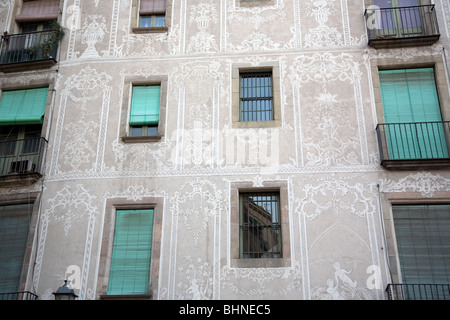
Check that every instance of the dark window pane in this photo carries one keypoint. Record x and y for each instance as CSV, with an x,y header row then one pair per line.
x,y
260,225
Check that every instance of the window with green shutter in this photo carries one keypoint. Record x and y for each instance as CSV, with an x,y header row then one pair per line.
x,y
23,107
423,236
144,114
412,114
131,253
14,226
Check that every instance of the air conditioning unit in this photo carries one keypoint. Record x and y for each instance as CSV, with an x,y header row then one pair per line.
x,y
24,166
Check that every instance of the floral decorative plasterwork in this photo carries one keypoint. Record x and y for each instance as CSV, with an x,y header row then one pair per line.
x,y
425,183
335,196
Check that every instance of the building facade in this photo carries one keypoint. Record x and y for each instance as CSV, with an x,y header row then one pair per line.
x,y
231,149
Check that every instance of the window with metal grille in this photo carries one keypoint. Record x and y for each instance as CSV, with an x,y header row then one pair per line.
x,y
260,227
256,96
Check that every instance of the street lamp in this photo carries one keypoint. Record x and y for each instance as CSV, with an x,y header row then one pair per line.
x,y
65,293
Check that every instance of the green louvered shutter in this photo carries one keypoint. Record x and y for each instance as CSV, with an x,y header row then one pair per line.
x,y
130,260
412,112
423,236
23,107
14,226
145,105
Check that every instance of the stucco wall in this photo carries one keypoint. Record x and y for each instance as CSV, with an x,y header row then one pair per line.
x,y
324,150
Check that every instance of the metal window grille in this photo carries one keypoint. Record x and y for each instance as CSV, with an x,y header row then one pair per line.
x,y
20,295
256,96
260,227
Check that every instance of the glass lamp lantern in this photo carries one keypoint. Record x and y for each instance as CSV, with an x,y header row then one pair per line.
x,y
65,293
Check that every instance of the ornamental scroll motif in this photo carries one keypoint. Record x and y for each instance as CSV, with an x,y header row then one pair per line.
x,y
425,183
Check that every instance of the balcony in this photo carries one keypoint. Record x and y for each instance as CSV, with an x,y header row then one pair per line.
x,y
418,291
415,145
25,295
402,27
25,51
21,161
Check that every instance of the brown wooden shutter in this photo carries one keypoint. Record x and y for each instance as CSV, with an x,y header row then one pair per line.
x,y
38,10
149,7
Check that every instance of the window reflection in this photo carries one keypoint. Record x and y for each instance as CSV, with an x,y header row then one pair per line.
x,y
260,226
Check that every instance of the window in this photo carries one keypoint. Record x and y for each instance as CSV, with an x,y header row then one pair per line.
x,y
37,43
401,23
260,228
413,126
130,249
151,15
21,119
131,252
256,96
259,236
23,107
37,19
19,140
14,230
396,3
152,21
38,11
144,117
28,27
405,18
423,236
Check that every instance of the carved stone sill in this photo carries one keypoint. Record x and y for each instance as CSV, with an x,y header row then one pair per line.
x,y
127,297
419,164
27,65
261,263
141,139
150,30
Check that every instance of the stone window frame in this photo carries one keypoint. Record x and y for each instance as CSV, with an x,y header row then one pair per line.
x,y
388,200
129,82
112,206
236,188
134,23
18,199
239,68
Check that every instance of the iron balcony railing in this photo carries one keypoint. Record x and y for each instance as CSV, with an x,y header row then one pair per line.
x,y
23,295
414,140
402,23
22,156
27,47
418,291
